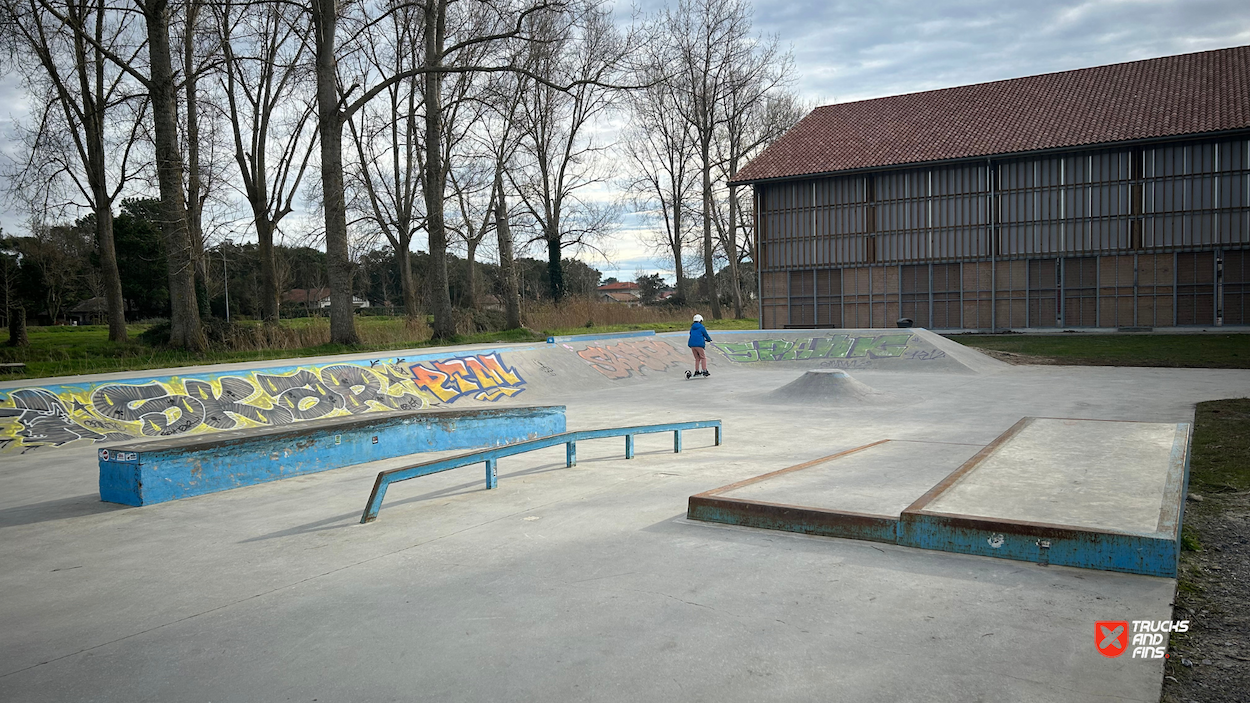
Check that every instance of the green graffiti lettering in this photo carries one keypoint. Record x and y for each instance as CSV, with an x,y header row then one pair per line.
x,y
775,349
741,352
879,347
829,347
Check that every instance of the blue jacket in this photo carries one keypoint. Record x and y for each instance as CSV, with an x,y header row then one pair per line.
x,y
698,335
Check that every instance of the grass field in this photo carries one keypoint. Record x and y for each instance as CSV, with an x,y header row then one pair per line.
x,y
70,351
1215,351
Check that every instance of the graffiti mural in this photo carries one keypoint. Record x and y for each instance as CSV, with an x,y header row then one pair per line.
x,y
173,405
836,346
626,359
481,376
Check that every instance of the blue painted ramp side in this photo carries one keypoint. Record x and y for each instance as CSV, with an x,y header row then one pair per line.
x,y
163,470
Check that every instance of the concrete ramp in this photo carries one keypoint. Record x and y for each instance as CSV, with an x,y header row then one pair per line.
x,y
833,387
105,408
1094,494
910,350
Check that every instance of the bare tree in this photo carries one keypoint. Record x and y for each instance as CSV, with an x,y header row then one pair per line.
x,y
711,38
562,156
387,137
475,197
757,111
88,119
440,54
264,48
661,148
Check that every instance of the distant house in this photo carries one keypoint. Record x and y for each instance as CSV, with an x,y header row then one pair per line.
x,y
92,311
623,292
316,298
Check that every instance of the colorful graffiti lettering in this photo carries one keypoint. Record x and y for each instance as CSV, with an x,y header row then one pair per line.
x,y
482,376
623,360
168,406
838,346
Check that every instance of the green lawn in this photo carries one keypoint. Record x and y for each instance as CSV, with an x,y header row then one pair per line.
x,y
1216,351
1221,451
70,351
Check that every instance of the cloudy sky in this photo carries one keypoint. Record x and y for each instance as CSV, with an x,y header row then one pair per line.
x,y
847,51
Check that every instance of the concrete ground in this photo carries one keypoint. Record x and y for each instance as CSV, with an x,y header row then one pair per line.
x,y
574,584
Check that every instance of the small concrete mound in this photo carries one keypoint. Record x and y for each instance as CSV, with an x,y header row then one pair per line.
x,y
828,387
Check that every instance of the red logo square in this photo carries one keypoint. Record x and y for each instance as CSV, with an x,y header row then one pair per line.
x,y
1111,637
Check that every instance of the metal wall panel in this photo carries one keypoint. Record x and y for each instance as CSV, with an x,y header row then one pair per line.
x,y
1044,301
1236,287
1011,294
1117,280
978,295
1080,292
1195,288
829,298
1155,298
1104,237
914,293
947,296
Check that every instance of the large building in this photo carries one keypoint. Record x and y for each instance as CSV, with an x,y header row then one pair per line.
x,y
1115,196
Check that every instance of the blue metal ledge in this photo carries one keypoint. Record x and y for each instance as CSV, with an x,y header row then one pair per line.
x,y
490,457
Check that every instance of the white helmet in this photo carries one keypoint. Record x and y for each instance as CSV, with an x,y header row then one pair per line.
x,y
698,318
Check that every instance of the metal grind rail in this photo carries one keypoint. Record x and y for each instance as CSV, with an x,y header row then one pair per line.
x,y
490,457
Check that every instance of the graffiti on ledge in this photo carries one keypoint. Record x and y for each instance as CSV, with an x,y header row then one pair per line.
x,y
836,346
481,376
59,414
624,360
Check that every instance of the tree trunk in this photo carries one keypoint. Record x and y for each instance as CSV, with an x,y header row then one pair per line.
x,y
470,299
330,128
112,276
731,251
195,219
709,273
681,275
555,267
184,319
97,176
407,282
269,294
507,266
17,328
435,177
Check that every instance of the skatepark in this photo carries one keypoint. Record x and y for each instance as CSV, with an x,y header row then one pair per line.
x,y
887,515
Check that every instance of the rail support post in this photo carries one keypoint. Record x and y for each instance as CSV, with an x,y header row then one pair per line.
x,y
717,435
492,474
629,446
676,441
570,454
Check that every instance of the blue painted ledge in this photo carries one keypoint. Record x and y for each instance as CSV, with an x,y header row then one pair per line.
x,y
143,473
590,337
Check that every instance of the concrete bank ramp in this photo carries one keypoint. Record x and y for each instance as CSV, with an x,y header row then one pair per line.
x,y
910,350
833,387
96,410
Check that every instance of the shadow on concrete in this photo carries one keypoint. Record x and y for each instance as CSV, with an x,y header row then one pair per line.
x,y
350,519
59,509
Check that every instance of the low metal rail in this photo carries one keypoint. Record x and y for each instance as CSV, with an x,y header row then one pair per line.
x,y
490,457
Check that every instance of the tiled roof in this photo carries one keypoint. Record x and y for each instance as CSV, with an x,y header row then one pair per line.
x,y
620,285
1180,95
306,295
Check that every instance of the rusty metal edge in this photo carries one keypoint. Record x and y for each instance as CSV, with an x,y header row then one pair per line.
x,y
954,476
784,518
797,467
